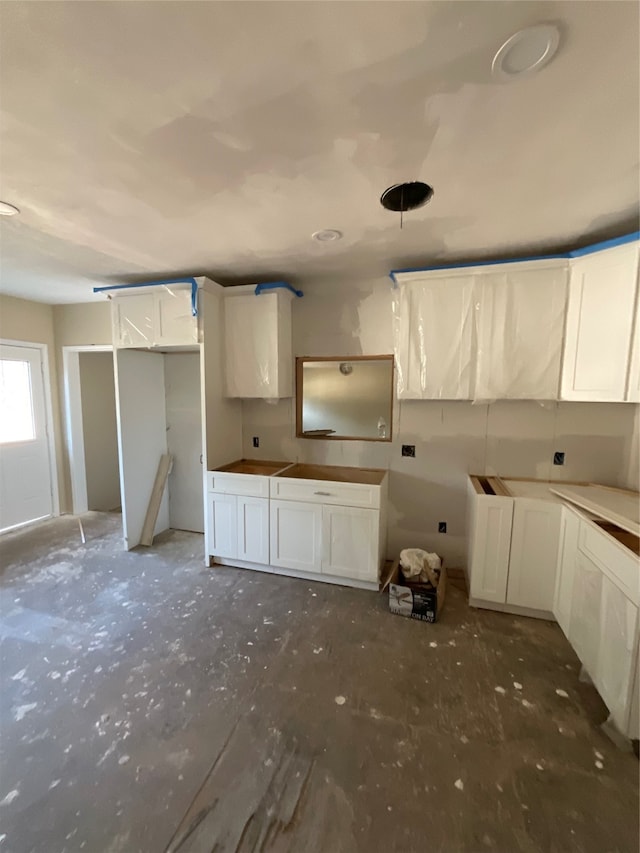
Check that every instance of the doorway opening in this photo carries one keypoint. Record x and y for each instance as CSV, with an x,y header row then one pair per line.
x,y
92,439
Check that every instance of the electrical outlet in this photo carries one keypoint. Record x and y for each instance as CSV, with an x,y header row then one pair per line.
x,y
256,441
442,527
409,450
558,457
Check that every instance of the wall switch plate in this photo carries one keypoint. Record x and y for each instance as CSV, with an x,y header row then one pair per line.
x,y
442,527
558,457
256,441
409,450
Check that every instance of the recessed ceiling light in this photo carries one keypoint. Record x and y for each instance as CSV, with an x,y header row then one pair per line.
x,y
328,235
7,209
526,52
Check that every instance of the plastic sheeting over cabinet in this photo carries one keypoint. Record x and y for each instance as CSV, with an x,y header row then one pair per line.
x,y
157,316
259,361
481,333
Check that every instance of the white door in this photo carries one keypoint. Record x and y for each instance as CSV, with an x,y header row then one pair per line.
x,y
534,554
222,528
489,547
565,570
176,324
184,440
253,530
434,343
142,437
133,320
602,293
585,612
25,463
296,535
618,638
350,542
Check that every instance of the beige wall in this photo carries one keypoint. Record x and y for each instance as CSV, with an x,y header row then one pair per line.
x,y
32,322
85,324
452,439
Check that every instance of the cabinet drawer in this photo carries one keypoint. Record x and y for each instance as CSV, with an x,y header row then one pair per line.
x,y
326,492
249,485
620,565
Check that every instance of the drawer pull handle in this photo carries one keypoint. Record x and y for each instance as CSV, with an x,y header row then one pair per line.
x,y
326,494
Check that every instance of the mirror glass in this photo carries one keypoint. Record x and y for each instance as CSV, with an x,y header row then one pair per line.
x,y
342,397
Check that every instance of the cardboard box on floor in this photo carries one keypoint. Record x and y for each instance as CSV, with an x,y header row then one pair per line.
x,y
415,600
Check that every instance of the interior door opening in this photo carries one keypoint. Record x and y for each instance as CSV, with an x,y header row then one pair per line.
x,y
91,429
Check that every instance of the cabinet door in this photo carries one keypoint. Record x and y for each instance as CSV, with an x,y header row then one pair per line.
x,y
614,673
222,525
520,325
565,571
253,529
602,292
296,535
489,547
251,345
133,320
176,325
585,612
350,542
534,553
434,338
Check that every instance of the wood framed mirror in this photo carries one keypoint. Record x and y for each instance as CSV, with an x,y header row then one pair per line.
x,y
345,397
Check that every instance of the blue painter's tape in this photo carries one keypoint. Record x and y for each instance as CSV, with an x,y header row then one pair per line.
x,y
606,244
189,280
575,253
274,285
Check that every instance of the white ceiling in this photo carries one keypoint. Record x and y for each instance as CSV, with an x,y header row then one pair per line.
x,y
146,139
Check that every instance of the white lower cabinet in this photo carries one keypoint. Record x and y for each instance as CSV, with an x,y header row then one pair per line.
x,y
238,527
263,523
222,527
614,671
350,542
565,570
513,550
585,612
296,535
253,529
534,553
598,612
489,543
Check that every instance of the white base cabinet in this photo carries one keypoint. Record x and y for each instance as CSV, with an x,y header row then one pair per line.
x,y
296,535
597,608
333,531
513,548
238,526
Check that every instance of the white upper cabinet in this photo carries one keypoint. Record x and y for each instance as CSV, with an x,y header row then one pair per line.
x,y
157,316
520,318
434,316
485,333
600,362
259,360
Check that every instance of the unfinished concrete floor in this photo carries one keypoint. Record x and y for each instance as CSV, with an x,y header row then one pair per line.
x,y
151,704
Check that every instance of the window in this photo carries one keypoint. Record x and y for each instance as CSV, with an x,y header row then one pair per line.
x,y
17,422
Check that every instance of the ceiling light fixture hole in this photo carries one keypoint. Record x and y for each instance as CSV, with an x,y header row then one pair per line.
x,y
408,196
